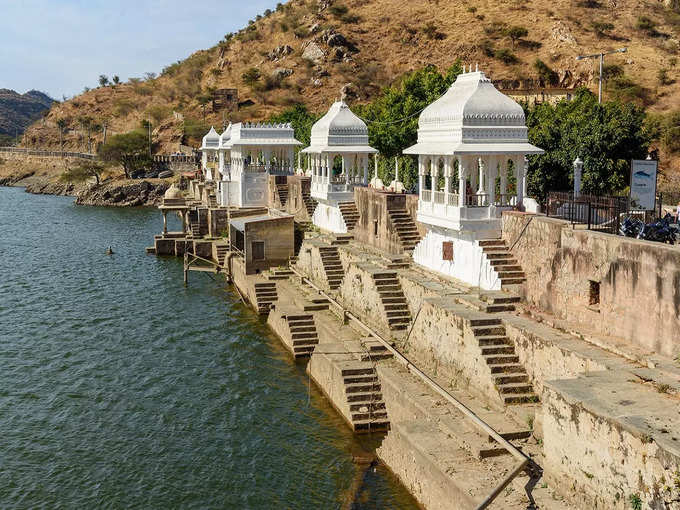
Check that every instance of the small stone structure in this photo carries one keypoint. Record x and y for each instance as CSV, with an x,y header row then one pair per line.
x,y
338,134
263,241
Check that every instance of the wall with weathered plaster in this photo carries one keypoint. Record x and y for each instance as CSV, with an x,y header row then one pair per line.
x,y
310,264
605,463
639,280
329,218
359,294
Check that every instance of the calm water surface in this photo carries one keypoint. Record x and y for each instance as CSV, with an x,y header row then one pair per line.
x,y
120,388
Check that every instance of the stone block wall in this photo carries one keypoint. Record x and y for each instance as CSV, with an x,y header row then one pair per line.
x,y
359,294
638,281
310,264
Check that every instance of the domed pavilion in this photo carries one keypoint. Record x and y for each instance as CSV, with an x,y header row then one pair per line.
x,y
472,144
339,140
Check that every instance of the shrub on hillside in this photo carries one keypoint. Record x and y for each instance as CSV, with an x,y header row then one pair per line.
x,y
647,25
251,76
515,33
545,72
506,56
431,31
602,29
623,88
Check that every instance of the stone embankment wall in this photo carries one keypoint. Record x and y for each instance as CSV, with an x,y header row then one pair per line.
x,y
375,227
608,464
359,294
638,281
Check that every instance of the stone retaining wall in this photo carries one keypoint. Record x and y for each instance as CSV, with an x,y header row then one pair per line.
x,y
638,281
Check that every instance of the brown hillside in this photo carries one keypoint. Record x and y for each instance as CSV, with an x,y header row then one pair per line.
x,y
369,43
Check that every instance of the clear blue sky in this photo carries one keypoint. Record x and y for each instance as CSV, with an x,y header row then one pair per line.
x,y
61,46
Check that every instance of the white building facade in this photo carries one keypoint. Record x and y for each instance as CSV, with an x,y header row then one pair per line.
x,y
339,139
209,150
249,154
472,145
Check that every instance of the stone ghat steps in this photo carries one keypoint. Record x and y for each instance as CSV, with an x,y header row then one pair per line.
x,y
310,204
265,296
373,350
282,191
509,376
212,200
393,300
491,302
364,397
303,334
221,252
503,261
332,266
405,227
195,229
350,214
279,274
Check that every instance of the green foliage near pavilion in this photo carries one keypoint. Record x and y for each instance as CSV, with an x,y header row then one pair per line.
x,y
130,150
605,136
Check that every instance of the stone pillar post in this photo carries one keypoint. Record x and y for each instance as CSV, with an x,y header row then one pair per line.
x,y
421,179
220,167
521,178
346,170
491,179
480,180
165,221
434,177
375,165
503,169
185,221
447,179
365,164
462,178
204,159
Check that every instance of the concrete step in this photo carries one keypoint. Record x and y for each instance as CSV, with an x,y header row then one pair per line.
x,y
300,322
374,415
394,321
363,407
509,378
492,242
360,379
302,329
501,359
499,255
371,425
512,281
398,313
390,294
362,387
395,306
305,342
505,368
503,275
493,340
520,398
357,368
515,388
364,397
488,330
504,349
300,317
304,335
485,322
375,356
393,300
388,288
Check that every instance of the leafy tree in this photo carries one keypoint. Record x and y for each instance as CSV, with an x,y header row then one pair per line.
x,y
301,120
515,33
605,136
251,76
115,79
103,80
203,100
130,150
393,116
83,172
87,122
545,72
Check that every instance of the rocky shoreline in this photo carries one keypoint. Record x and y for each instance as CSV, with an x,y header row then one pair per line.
x,y
116,193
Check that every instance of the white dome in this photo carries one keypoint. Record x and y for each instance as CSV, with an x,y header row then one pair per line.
x,y
341,129
172,192
211,140
472,117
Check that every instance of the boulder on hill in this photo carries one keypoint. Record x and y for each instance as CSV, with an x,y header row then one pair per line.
x,y
313,53
280,52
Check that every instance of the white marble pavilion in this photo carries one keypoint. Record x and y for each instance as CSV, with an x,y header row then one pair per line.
x,y
338,134
248,154
472,144
209,150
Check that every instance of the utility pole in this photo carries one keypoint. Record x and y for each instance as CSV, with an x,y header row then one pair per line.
x,y
150,138
601,56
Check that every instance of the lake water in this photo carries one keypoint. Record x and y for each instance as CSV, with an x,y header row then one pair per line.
x,y
121,388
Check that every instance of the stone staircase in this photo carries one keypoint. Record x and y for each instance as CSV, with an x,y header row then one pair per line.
x,y
265,296
221,251
374,350
279,274
510,377
282,190
350,214
491,302
364,397
332,266
503,261
212,200
195,229
405,227
310,203
393,299
303,334
395,261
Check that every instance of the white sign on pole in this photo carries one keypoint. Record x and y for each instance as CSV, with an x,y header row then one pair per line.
x,y
643,184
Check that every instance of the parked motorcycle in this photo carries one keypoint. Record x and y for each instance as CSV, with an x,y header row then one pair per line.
x,y
630,227
660,231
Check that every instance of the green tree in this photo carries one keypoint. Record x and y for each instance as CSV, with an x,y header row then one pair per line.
x,y
393,116
130,150
203,100
103,80
515,33
115,79
251,76
605,136
83,171
301,120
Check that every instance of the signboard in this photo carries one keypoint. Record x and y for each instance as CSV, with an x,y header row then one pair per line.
x,y
447,250
643,184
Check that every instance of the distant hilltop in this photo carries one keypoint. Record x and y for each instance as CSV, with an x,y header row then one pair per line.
x,y
306,51
18,111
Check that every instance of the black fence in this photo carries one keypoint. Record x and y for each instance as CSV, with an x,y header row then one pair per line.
x,y
595,212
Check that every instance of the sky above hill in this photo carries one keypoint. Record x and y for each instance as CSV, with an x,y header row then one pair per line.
x,y
62,46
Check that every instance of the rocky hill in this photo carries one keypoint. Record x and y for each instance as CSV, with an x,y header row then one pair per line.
x,y
305,51
18,111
